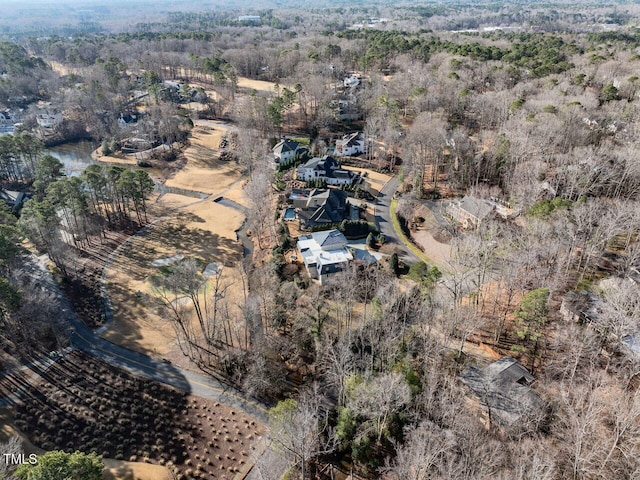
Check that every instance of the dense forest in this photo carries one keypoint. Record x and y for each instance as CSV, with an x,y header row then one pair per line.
x,y
387,368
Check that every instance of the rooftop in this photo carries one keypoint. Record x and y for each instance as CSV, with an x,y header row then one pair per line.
x,y
285,145
475,206
503,389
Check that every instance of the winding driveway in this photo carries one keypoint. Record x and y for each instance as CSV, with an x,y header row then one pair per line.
x,y
383,219
83,338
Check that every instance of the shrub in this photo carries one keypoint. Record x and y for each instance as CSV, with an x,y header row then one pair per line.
x,y
545,208
394,264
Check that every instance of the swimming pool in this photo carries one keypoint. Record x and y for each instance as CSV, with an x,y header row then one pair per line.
x,y
289,214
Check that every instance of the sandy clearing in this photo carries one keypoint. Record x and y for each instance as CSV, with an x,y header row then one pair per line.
x,y
119,470
171,201
114,159
259,85
203,230
204,172
374,179
436,251
238,195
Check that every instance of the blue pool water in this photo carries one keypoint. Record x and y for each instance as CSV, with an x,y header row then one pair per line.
x,y
290,214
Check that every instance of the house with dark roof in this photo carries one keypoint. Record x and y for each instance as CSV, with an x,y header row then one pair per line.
x,y
324,254
320,206
284,152
13,199
503,390
351,144
6,117
326,169
127,121
469,212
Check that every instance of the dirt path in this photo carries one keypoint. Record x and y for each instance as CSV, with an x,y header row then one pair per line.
x,y
440,253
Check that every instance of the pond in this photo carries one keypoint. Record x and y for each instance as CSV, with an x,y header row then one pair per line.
x,y
75,156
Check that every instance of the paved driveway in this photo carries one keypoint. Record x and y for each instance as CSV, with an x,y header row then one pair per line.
x,y
383,219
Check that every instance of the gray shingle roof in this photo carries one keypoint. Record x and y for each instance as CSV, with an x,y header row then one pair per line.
x,y
329,238
285,145
502,388
476,207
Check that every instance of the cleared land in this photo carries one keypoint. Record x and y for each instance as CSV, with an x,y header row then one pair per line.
x,y
374,180
259,85
84,404
200,229
425,237
204,171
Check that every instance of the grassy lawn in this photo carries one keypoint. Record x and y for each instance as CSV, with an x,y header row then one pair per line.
x,y
403,238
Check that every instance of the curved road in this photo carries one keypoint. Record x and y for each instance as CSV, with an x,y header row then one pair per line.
x,y
84,339
383,219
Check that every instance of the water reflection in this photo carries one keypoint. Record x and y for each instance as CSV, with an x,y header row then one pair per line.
x,y
75,156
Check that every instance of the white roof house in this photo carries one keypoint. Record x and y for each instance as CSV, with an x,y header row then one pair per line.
x,y
324,253
352,81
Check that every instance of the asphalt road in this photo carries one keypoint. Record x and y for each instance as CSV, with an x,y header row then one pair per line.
x,y
383,219
84,339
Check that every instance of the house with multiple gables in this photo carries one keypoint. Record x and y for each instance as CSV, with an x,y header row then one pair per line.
x,y
469,212
326,169
324,254
284,152
348,109
320,206
352,144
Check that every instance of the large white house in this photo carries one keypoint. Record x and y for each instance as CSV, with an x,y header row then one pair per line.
x,y
326,169
324,253
351,144
284,152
